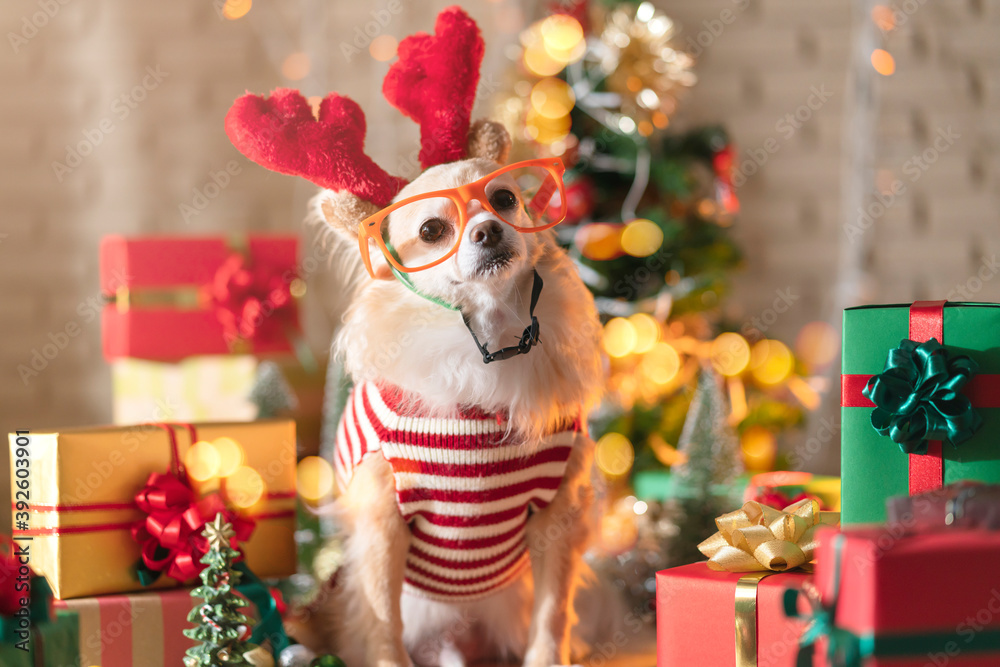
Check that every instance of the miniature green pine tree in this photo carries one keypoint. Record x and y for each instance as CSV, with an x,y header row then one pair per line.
x,y
220,623
713,460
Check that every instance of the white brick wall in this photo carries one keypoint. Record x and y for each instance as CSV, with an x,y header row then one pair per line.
x,y
760,68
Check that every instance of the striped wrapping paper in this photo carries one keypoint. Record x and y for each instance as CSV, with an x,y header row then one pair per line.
x,y
141,630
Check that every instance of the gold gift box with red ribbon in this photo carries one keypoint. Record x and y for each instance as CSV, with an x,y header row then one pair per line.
x,y
78,500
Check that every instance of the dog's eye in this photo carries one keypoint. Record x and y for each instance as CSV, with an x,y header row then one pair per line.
x,y
503,199
432,230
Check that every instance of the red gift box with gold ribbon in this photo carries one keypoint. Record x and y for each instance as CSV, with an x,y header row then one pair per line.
x,y
167,298
120,509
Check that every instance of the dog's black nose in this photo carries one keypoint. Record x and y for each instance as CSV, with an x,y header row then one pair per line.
x,y
487,234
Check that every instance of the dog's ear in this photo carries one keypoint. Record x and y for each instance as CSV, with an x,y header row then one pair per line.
x,y
344,212
489,139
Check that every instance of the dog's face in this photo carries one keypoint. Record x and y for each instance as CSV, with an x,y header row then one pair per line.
x,y
490,252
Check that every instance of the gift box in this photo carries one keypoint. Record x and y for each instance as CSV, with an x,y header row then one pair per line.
x,y
145,629
908,601
82,489
200,388
55,643
875,467
236,387
730,610
705,617
783,487
168,298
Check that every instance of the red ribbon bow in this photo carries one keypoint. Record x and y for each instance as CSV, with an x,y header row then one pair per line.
x,y
245,296
170,535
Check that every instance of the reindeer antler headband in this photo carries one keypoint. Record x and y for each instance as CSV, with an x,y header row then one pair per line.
x,y
433,83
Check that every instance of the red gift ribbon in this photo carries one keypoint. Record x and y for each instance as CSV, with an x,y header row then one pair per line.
x,y
926,471
169,537
240,293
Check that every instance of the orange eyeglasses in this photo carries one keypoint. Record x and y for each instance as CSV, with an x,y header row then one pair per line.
x,y
528,196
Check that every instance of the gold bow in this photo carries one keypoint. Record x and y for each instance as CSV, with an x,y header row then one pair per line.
x,y
758,538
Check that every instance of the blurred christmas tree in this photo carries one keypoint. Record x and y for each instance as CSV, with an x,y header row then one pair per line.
x,y
649,213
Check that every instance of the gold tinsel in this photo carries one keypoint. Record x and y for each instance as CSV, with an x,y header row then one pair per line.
x,y
641,64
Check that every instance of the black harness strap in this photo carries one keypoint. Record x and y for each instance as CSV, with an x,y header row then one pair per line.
x,y
528,339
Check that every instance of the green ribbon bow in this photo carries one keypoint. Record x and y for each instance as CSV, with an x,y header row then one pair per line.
x,y
271,627
918,397
843,647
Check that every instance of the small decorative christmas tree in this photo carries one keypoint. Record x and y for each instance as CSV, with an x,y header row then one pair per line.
x,y
713,459
271,393
221,626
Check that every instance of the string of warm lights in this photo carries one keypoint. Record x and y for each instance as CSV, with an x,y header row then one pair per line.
x,y
652,360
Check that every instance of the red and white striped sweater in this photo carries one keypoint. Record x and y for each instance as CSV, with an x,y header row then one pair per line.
x,y
464,491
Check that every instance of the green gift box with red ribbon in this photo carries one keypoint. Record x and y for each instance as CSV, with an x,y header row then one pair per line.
x,y
920,397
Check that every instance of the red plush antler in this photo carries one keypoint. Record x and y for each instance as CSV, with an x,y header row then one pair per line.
x,y
280,133
434,83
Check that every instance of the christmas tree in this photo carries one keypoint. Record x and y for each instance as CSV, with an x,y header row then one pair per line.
x,y
649,217
221,626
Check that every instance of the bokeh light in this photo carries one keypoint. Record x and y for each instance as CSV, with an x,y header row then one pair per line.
x,y
314,478
614,455
620,337
552,98
562,38
641,238
546,130
599,241
647,331
230,455
759,448
296,66
383,48
817,345
245,487
235,9
730,353
884,18
771,362
883,62
619,532
661,364
202,461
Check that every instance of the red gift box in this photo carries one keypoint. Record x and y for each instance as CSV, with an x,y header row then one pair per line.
x,y
913,600
697,618
169,298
